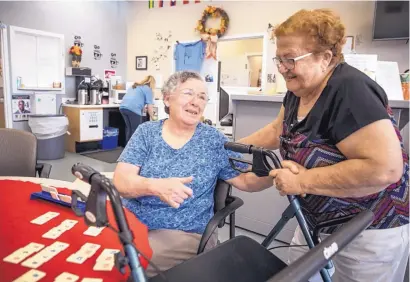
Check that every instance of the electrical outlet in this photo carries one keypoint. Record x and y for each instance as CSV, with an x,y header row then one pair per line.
x,y
67,100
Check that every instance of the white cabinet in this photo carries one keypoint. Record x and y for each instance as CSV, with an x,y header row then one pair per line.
x,y
91,125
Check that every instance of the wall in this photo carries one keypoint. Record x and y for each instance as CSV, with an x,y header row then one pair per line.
x,y
246,17
232,55
98,23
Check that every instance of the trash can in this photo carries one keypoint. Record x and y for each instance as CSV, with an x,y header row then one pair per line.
x,y
50,131
110,138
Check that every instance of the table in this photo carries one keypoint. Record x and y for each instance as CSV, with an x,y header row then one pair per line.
x,y
18,210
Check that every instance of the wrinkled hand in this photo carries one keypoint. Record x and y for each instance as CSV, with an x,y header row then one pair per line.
x,y
287,179
173,191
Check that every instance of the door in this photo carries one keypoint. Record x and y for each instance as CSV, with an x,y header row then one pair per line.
x,y
255,70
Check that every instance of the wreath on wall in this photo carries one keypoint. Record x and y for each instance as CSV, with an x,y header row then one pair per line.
x,y
213,12
211,35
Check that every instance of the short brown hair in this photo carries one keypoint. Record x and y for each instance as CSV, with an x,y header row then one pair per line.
x,y
322,27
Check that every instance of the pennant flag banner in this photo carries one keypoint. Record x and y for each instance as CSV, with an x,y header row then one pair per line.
x,y
160,3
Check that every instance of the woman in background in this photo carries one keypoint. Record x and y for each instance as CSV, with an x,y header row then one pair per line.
x,y
133,103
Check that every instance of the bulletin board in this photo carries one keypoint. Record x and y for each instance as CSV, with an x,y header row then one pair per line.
x,y
37,60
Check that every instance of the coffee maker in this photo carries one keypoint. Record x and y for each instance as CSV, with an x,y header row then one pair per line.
x,y
89,91
83,93
96,92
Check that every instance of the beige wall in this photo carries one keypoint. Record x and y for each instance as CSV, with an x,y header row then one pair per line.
x,y
245,18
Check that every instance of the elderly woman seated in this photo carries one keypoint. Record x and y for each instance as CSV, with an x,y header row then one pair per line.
x,y
169,169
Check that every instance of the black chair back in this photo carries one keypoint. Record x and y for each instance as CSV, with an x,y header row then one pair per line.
x,y
222,190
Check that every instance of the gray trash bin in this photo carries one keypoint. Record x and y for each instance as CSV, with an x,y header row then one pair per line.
x,y
50,131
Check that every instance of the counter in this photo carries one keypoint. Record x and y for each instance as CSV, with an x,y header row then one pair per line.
x,y
102,106
86,123
262,210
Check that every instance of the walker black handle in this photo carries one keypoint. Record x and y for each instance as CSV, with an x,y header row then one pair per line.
x,y
238,147
83,172
261,162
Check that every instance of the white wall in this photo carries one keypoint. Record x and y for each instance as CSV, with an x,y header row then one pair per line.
x,y
246,17
98,23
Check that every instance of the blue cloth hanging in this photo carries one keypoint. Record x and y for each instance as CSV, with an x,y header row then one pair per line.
x,y
189,56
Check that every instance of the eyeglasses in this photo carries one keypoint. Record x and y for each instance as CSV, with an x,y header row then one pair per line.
x,y
289,64
189,94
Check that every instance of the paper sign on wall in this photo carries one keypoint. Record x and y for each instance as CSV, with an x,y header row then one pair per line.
x,y
21,107
388,77
363,62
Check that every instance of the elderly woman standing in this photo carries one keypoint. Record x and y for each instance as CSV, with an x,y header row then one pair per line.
x,y
169,169
337,129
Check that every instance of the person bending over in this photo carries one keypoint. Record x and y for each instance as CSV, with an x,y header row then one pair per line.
x,y
132,106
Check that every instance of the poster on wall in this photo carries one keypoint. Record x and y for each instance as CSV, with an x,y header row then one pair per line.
x,y
21,107
109,73
97,52
113,61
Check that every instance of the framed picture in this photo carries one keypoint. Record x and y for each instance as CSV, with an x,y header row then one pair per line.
x,y
349,46
141,62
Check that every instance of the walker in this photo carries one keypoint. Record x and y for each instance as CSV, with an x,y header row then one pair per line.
x,y
311,228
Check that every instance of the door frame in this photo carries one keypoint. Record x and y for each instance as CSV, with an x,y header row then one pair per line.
x,y
4,49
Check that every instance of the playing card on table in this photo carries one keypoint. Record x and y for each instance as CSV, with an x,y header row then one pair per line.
x,y
54,233
90,246
107,255
45,255
66,276
18,256
77,258
49,189
68,223
93,231
65,198
61,246
54,195
34,246
91,280
31,276
33,262
23,253
44,218
103,266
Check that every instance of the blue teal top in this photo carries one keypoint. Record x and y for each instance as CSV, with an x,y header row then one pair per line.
x,y
203,157
137,98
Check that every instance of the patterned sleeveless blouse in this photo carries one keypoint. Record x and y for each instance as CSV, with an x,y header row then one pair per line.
x,y
350,101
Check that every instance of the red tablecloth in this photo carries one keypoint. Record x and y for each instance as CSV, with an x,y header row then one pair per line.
x,y
16,231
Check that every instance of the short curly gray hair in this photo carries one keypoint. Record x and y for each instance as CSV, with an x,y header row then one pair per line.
x,y
177,79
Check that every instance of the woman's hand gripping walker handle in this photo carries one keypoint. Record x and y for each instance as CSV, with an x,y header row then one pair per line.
x,y
96,215
260,158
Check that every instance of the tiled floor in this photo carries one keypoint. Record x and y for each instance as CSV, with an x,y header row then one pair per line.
x,y
61,170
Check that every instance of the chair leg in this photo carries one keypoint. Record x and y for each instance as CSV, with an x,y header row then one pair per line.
x,y
232,225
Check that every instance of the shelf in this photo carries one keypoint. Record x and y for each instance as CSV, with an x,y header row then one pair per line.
x,y
40,89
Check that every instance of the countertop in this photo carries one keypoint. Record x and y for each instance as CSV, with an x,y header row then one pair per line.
x,y
92,106
278,98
